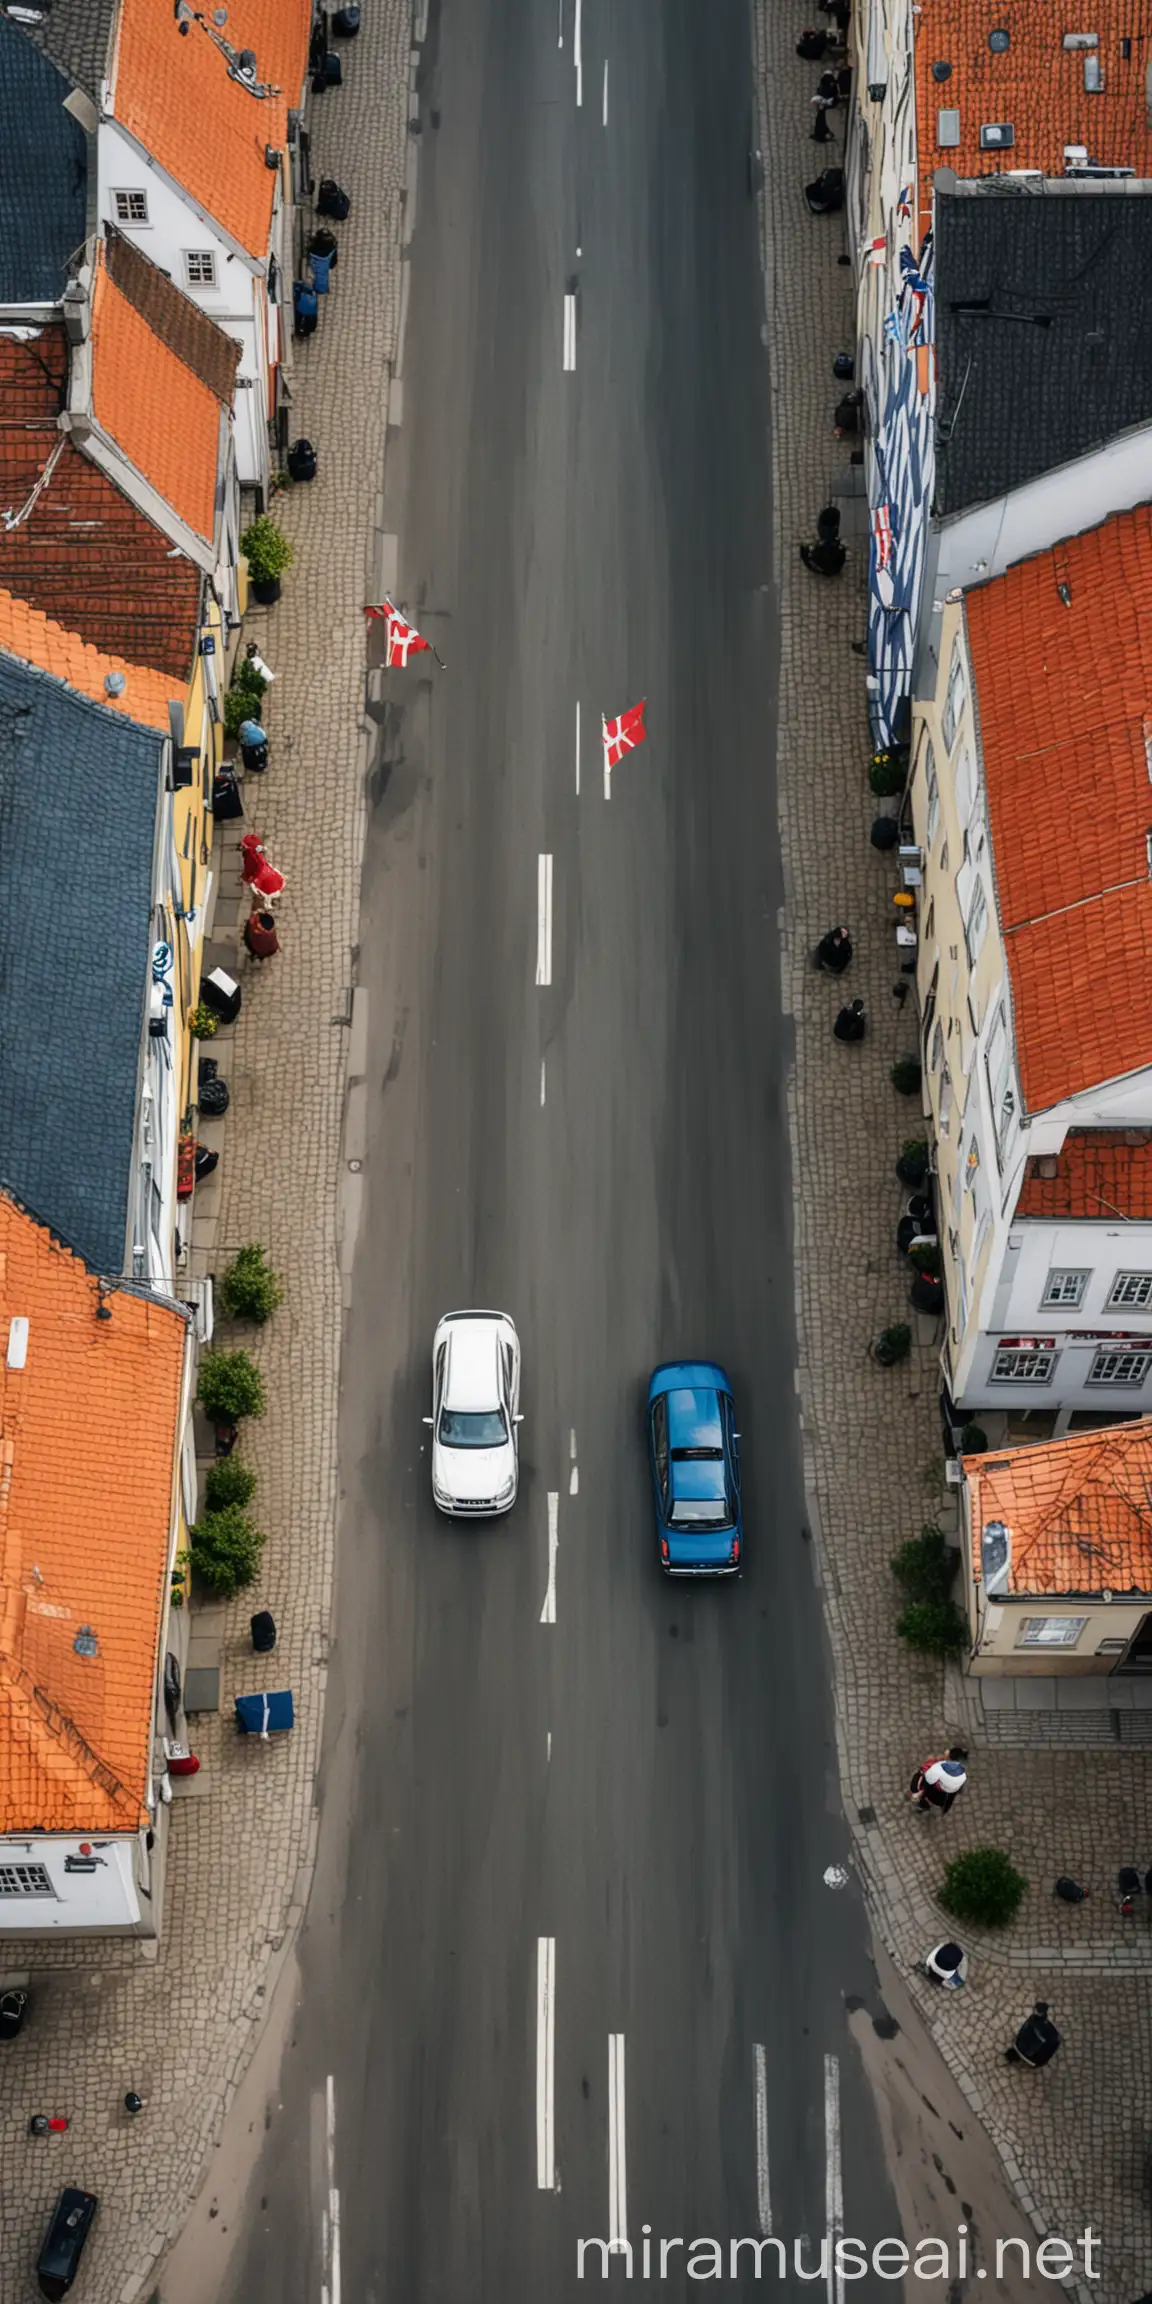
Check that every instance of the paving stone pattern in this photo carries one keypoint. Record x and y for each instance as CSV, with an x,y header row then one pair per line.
x,y
179,2025
1072,2137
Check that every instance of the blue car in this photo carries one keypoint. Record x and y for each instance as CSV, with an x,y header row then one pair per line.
x,y
695,1459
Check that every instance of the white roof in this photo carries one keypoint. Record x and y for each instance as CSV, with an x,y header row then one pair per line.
x,y
473,1379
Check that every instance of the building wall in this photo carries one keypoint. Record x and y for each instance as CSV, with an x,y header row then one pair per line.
x,y
175,228
105,1898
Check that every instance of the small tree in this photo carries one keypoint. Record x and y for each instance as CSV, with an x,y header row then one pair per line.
x,y
912,1165
240,704
231,1387
905,1075
893,1344
925,1255
886,775
933,1627
226,1550
229,1482
982,1887
266,549
925,1565
250,1289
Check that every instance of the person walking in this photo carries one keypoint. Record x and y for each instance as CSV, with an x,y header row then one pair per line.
x,y
851,1023
939,1783
825,558
1037,2040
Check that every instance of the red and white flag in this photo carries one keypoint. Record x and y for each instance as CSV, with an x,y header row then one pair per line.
x,y
882,534
623,734
403,638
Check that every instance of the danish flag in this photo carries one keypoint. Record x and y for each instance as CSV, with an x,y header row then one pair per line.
x,y
882,534
623,734
403,638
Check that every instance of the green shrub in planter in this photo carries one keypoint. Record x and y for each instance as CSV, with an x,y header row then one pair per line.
x,y
247,676
266,549
912,1165
886,776
250,1289
230,1387
893,1344
925,1566
933,1627
982,1887
203,1023
226,1549
905,1075
229,1482
240,704
973,1440
925,1255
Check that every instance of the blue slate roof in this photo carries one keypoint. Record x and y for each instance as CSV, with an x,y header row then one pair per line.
x,y
1043,329
78,799
42,181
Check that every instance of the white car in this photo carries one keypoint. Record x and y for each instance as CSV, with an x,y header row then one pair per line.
x,y
475,1413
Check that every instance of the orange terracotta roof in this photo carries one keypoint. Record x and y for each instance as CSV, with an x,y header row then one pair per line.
x,y
1065,696
81,552
1078,1511
88,1433
1036,84
161,417
173,93
26,632
1097,1173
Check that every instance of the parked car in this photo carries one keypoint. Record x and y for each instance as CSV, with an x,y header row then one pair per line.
x,y
475,1414
694,1454
59,2258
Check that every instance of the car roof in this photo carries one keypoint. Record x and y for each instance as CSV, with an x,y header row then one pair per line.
x,y
696,1480
694,1418
473,1379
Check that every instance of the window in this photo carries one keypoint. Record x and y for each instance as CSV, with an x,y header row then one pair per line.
x,y
932,793
1050,1631
1129,1368
131,207
998,1073
976,925
956,698
936,1054
1014,1364
965,791
25,1880
1133,1289
971,1165
200,267
1065,1288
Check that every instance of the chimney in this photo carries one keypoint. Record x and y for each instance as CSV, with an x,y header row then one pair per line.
x,y
76,315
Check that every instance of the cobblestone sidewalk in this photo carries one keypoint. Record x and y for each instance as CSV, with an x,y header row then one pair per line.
x,y
1073,2138
179,2024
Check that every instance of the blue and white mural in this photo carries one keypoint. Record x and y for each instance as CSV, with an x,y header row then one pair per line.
x,y
899,482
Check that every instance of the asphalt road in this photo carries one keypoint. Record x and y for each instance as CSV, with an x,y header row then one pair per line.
x,y
648,1783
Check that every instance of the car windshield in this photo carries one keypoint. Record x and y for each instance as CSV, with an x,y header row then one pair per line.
x,y
471,1428
689,1511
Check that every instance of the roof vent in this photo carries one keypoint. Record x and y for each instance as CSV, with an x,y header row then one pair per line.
x,y
17,1342
114,684
947,129
86,1643
1081,40
999,40
1093,76
942,70
997,135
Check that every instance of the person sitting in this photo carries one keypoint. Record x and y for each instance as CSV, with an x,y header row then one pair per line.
x,y
846,421
825,197
947,1965
834,951
851,1023
812,44
821,132
824,558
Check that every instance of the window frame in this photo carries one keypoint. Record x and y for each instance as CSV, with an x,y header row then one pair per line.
x,y
955,697
193,256
931,797
9,1872
1045,1358
1118,1301
976,921
1121,1357
1076,1625
1058,1301
128,193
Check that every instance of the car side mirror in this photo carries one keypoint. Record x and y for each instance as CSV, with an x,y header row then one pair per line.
x,y
517,1419
737,1435
426,1419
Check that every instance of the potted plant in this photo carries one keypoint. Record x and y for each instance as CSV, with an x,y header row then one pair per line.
x,y
250,1289
230,1387
905,1075
268,553
927,1294
226,1549
893,1344
203,1023
925,1255
912,1165
973,1440
886,775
